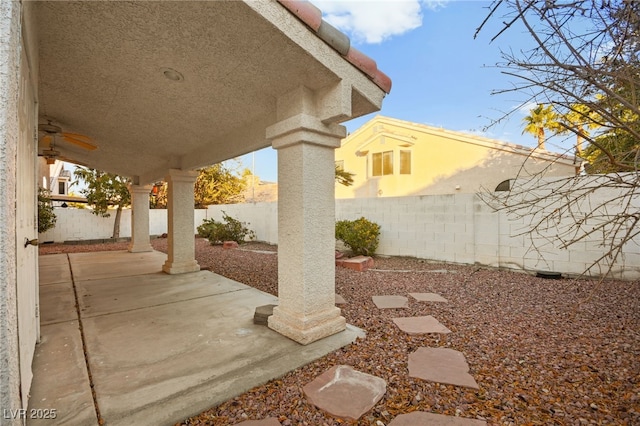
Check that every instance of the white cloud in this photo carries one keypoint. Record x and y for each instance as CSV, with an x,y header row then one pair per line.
x,y
525,109
375,21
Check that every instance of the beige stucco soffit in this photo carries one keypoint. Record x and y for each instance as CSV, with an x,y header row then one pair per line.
x,y
160,172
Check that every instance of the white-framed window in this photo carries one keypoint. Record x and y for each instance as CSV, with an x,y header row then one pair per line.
x,y
382,163
405,162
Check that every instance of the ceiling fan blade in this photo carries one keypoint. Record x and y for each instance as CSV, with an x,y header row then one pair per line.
x,y
47,139
77,136
79,140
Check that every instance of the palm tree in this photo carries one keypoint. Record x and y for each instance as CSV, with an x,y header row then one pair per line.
x,y
539,119
580,119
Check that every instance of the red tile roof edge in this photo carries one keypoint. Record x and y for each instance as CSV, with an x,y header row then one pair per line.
x,y
312,17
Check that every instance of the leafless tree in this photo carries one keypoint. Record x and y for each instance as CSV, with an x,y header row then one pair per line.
x,y
584,63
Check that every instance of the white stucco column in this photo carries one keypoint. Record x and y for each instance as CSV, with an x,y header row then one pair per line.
x,y
181,243
306,219
11,36
140,240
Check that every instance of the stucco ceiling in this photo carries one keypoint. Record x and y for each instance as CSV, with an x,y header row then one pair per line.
x,y
102,74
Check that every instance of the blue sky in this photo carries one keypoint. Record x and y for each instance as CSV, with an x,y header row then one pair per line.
x,y
441,75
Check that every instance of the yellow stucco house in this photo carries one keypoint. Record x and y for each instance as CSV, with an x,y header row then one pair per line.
x,y
391,158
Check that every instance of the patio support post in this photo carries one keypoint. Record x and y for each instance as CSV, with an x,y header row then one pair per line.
x,y
306,219
140,241
181,244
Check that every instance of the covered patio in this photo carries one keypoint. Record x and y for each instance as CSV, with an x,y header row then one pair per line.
x,y
151,91
155,348
162,88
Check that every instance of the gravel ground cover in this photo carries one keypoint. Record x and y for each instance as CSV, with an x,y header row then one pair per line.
x,y
544,352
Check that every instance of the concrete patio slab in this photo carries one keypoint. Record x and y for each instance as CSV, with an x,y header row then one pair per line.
x,y
60,380
441,365
344,392
54,269
390,302
420,418
57,303
105,264
421,325
161,348
120,294
428,297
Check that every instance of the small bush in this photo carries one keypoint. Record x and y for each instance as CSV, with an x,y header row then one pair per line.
x,y
360,235
229,230
46,217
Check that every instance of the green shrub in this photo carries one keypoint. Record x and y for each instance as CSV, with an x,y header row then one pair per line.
x,y
229,230
46,217
360,235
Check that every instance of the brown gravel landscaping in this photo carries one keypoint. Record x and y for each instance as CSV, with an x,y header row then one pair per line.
x,y
544,352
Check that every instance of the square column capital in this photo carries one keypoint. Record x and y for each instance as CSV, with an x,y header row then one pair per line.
x,y
139,189
178,175
305,128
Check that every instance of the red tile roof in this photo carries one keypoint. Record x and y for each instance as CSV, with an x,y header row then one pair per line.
x,y
312,17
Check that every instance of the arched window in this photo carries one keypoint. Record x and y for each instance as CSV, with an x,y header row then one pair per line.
x,y
505,185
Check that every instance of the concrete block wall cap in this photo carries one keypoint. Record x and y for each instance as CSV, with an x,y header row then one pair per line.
x,y
311,16
305,11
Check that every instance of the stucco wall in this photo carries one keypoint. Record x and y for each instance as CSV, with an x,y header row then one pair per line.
x,y
9,83
442,161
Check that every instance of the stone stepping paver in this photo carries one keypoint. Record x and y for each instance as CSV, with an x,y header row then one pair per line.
x,y
421,325
340,300
388,302
442,365
358,263
344,392
262,314
420,418
428,297
270,421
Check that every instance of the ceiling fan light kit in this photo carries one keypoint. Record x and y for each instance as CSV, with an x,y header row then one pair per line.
x,y
53,133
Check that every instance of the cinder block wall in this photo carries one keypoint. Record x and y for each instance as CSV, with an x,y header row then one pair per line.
x,y
458,228
81,224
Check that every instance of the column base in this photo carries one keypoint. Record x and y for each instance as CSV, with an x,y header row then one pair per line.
x,y
307,329
173,268
139,248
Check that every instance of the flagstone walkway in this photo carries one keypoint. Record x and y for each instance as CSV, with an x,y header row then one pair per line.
x,y
346,393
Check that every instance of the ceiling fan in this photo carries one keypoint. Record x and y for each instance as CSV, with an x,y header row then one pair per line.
x,y
52,133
